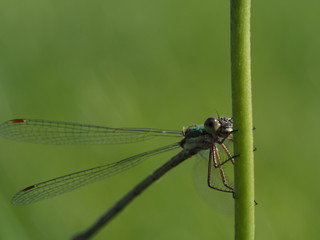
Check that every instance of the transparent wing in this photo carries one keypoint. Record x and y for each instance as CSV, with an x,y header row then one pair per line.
x,y
72,181
219,201
227,167
54,132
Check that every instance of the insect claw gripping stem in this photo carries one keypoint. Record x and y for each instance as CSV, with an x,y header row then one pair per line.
x,y
234,195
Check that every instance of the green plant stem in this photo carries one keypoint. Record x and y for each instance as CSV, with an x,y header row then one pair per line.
x,y
242,114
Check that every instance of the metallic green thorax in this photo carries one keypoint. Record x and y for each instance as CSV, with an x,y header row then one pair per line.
x,y
215,130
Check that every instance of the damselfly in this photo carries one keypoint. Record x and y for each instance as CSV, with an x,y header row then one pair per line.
x,y
208,140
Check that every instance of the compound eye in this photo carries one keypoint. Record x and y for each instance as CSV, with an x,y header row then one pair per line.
x,y
212,125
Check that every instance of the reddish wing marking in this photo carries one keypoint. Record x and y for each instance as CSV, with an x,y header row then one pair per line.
x,y
28,188
17,121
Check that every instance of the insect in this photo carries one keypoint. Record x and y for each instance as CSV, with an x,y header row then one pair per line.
x,y
211,136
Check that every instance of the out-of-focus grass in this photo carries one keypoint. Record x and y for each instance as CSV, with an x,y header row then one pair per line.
x,y
162,64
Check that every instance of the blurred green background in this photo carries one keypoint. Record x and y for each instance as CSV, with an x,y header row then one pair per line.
x,y
161,64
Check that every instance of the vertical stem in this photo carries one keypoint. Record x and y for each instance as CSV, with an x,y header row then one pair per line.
x,y
242,114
